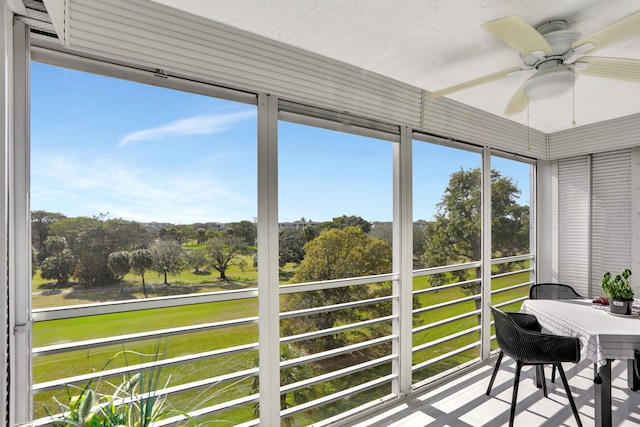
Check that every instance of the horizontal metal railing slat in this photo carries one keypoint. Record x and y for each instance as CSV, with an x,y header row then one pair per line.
x,y
337,351
445,339
337,374
445,321
112,373
446,304
336,307
336,396
105,341
445,356
337,283
337,329
449,286
82,310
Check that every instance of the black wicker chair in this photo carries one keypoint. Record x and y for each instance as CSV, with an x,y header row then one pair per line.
x,y
519,338
553,291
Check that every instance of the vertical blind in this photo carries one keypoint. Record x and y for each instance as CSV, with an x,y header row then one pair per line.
x,y
594,218
610,214
573,223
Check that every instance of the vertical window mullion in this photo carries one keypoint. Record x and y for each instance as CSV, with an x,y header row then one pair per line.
x,y
19,234
485,344
268,290
403,261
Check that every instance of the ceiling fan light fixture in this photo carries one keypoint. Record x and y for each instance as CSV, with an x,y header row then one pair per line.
x,y
549,82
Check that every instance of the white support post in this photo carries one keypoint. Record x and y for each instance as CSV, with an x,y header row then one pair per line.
x,y
544,204
268,287
589,226
533,221
403,261
485,342
6,37
20,232
16,248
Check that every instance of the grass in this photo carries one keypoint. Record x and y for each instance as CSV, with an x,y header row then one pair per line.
x,y
94,327
47,294
104,325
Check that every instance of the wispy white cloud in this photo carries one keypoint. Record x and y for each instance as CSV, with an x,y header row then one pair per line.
x,y
101,186
197,125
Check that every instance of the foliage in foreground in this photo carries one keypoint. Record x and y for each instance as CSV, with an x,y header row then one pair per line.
x,y
133,403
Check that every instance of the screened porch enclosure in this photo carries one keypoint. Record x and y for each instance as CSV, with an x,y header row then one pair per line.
x,y
268,236
339,287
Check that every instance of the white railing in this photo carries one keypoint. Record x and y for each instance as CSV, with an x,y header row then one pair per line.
x,y
82,310
473,312
44,315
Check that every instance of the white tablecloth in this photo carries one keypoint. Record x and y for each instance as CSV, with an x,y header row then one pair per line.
x,y
602,335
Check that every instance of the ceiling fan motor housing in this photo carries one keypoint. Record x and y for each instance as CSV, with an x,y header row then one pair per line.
x,y
553,76
558,37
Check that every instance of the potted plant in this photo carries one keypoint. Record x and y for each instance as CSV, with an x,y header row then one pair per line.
x,y
618,289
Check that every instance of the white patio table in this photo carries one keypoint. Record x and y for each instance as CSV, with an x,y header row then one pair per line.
x,y
603,336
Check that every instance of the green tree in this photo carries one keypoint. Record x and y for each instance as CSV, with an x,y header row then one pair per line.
x,y
245,231
224,249
127,235
141,261
55,245
92,248
163,232
92,239
454,235
168,258
382,231
419,242
336,254
310,232
178,233
201,235
119,264
187,233
196,258
348,221
71,228
60,265
40,227
291,245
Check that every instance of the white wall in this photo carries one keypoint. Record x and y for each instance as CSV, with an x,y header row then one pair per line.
x,y
547,222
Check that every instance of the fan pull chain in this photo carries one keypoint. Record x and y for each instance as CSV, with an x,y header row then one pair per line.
x,y
528,128
573,98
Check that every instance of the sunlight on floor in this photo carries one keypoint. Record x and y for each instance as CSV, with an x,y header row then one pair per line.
x,y
463,403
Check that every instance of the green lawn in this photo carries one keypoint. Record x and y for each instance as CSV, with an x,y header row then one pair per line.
x,y
47,294
70,330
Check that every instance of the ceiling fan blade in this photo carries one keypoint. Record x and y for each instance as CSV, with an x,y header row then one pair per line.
x,y
620,30
471,83
517,103
613,68
518,34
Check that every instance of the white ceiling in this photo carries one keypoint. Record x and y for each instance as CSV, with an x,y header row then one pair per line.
x,y
433,44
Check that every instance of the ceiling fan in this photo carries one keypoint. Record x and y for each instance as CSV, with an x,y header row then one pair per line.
x,y
555,55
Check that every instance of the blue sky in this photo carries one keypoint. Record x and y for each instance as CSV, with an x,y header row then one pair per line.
x,y
103,145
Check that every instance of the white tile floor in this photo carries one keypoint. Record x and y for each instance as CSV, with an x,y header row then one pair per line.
x,y
462,402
